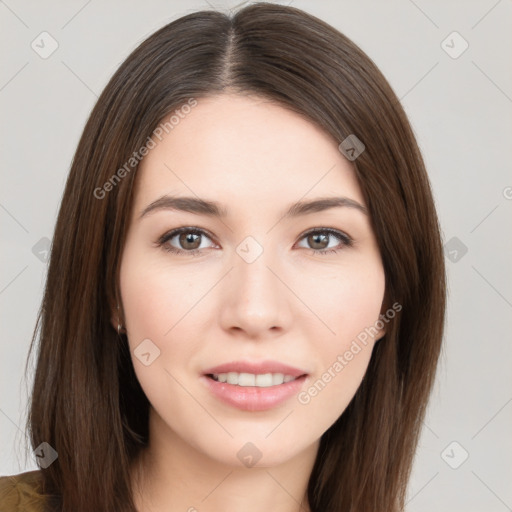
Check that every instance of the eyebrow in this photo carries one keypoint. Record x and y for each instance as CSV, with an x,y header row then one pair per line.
x,y
213,209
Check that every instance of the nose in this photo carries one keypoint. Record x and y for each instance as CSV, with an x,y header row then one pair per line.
x,y
256,300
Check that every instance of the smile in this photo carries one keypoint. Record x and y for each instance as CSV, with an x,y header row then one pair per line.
x,y
262,380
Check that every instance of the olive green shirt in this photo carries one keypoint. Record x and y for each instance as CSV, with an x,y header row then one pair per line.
x,y
22,493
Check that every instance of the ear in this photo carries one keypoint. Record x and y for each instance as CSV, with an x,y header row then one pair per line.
x,y
387,314
381,324
114,321
382,332
116,318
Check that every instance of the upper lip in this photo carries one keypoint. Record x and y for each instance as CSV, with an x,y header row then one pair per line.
x,y
256,368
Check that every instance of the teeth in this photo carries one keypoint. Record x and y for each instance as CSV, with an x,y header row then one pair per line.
x,y
264,380
277,378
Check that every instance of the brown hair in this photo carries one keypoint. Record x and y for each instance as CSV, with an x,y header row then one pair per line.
x,y
86,400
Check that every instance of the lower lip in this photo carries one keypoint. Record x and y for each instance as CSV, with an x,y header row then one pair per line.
x,y
254,398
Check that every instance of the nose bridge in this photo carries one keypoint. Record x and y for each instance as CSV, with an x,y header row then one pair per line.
x,y
254,280
257,299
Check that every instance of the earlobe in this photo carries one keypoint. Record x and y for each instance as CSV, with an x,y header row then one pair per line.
x,y
113,322
380,334
116,323
381,324
116,320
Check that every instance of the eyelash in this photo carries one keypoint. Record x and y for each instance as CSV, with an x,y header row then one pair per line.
x,y
344,239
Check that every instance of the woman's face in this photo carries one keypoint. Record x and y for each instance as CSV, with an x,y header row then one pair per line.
x,y
267,291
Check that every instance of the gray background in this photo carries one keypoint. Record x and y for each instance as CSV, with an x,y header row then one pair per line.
x,y
460,109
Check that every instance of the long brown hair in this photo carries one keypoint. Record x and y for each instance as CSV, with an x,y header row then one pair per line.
x,y
86,400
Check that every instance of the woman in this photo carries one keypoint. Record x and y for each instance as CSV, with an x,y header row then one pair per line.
x,y
246,292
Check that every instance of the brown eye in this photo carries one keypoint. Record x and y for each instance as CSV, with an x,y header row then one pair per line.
x,y
189,240
184,241
319,240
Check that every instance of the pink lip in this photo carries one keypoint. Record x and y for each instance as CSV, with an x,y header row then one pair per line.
x,y
254,398
256,368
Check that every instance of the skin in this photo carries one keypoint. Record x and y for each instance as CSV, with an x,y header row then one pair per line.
x,y
291,305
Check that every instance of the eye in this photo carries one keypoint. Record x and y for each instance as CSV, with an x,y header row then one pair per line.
x,y
189,241
319,240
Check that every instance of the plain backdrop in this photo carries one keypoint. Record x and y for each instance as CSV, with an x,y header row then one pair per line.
x,y
448,62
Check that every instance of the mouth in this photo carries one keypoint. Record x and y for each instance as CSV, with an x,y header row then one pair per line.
x,y
254,386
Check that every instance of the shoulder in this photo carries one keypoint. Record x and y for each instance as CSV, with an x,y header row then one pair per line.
x,y
22,492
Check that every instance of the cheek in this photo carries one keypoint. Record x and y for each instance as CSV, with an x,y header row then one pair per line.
x,y
153,293
349,305
155,303
146,306
347,300
163,302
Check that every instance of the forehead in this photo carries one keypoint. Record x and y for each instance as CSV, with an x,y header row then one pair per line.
x,y
245,148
